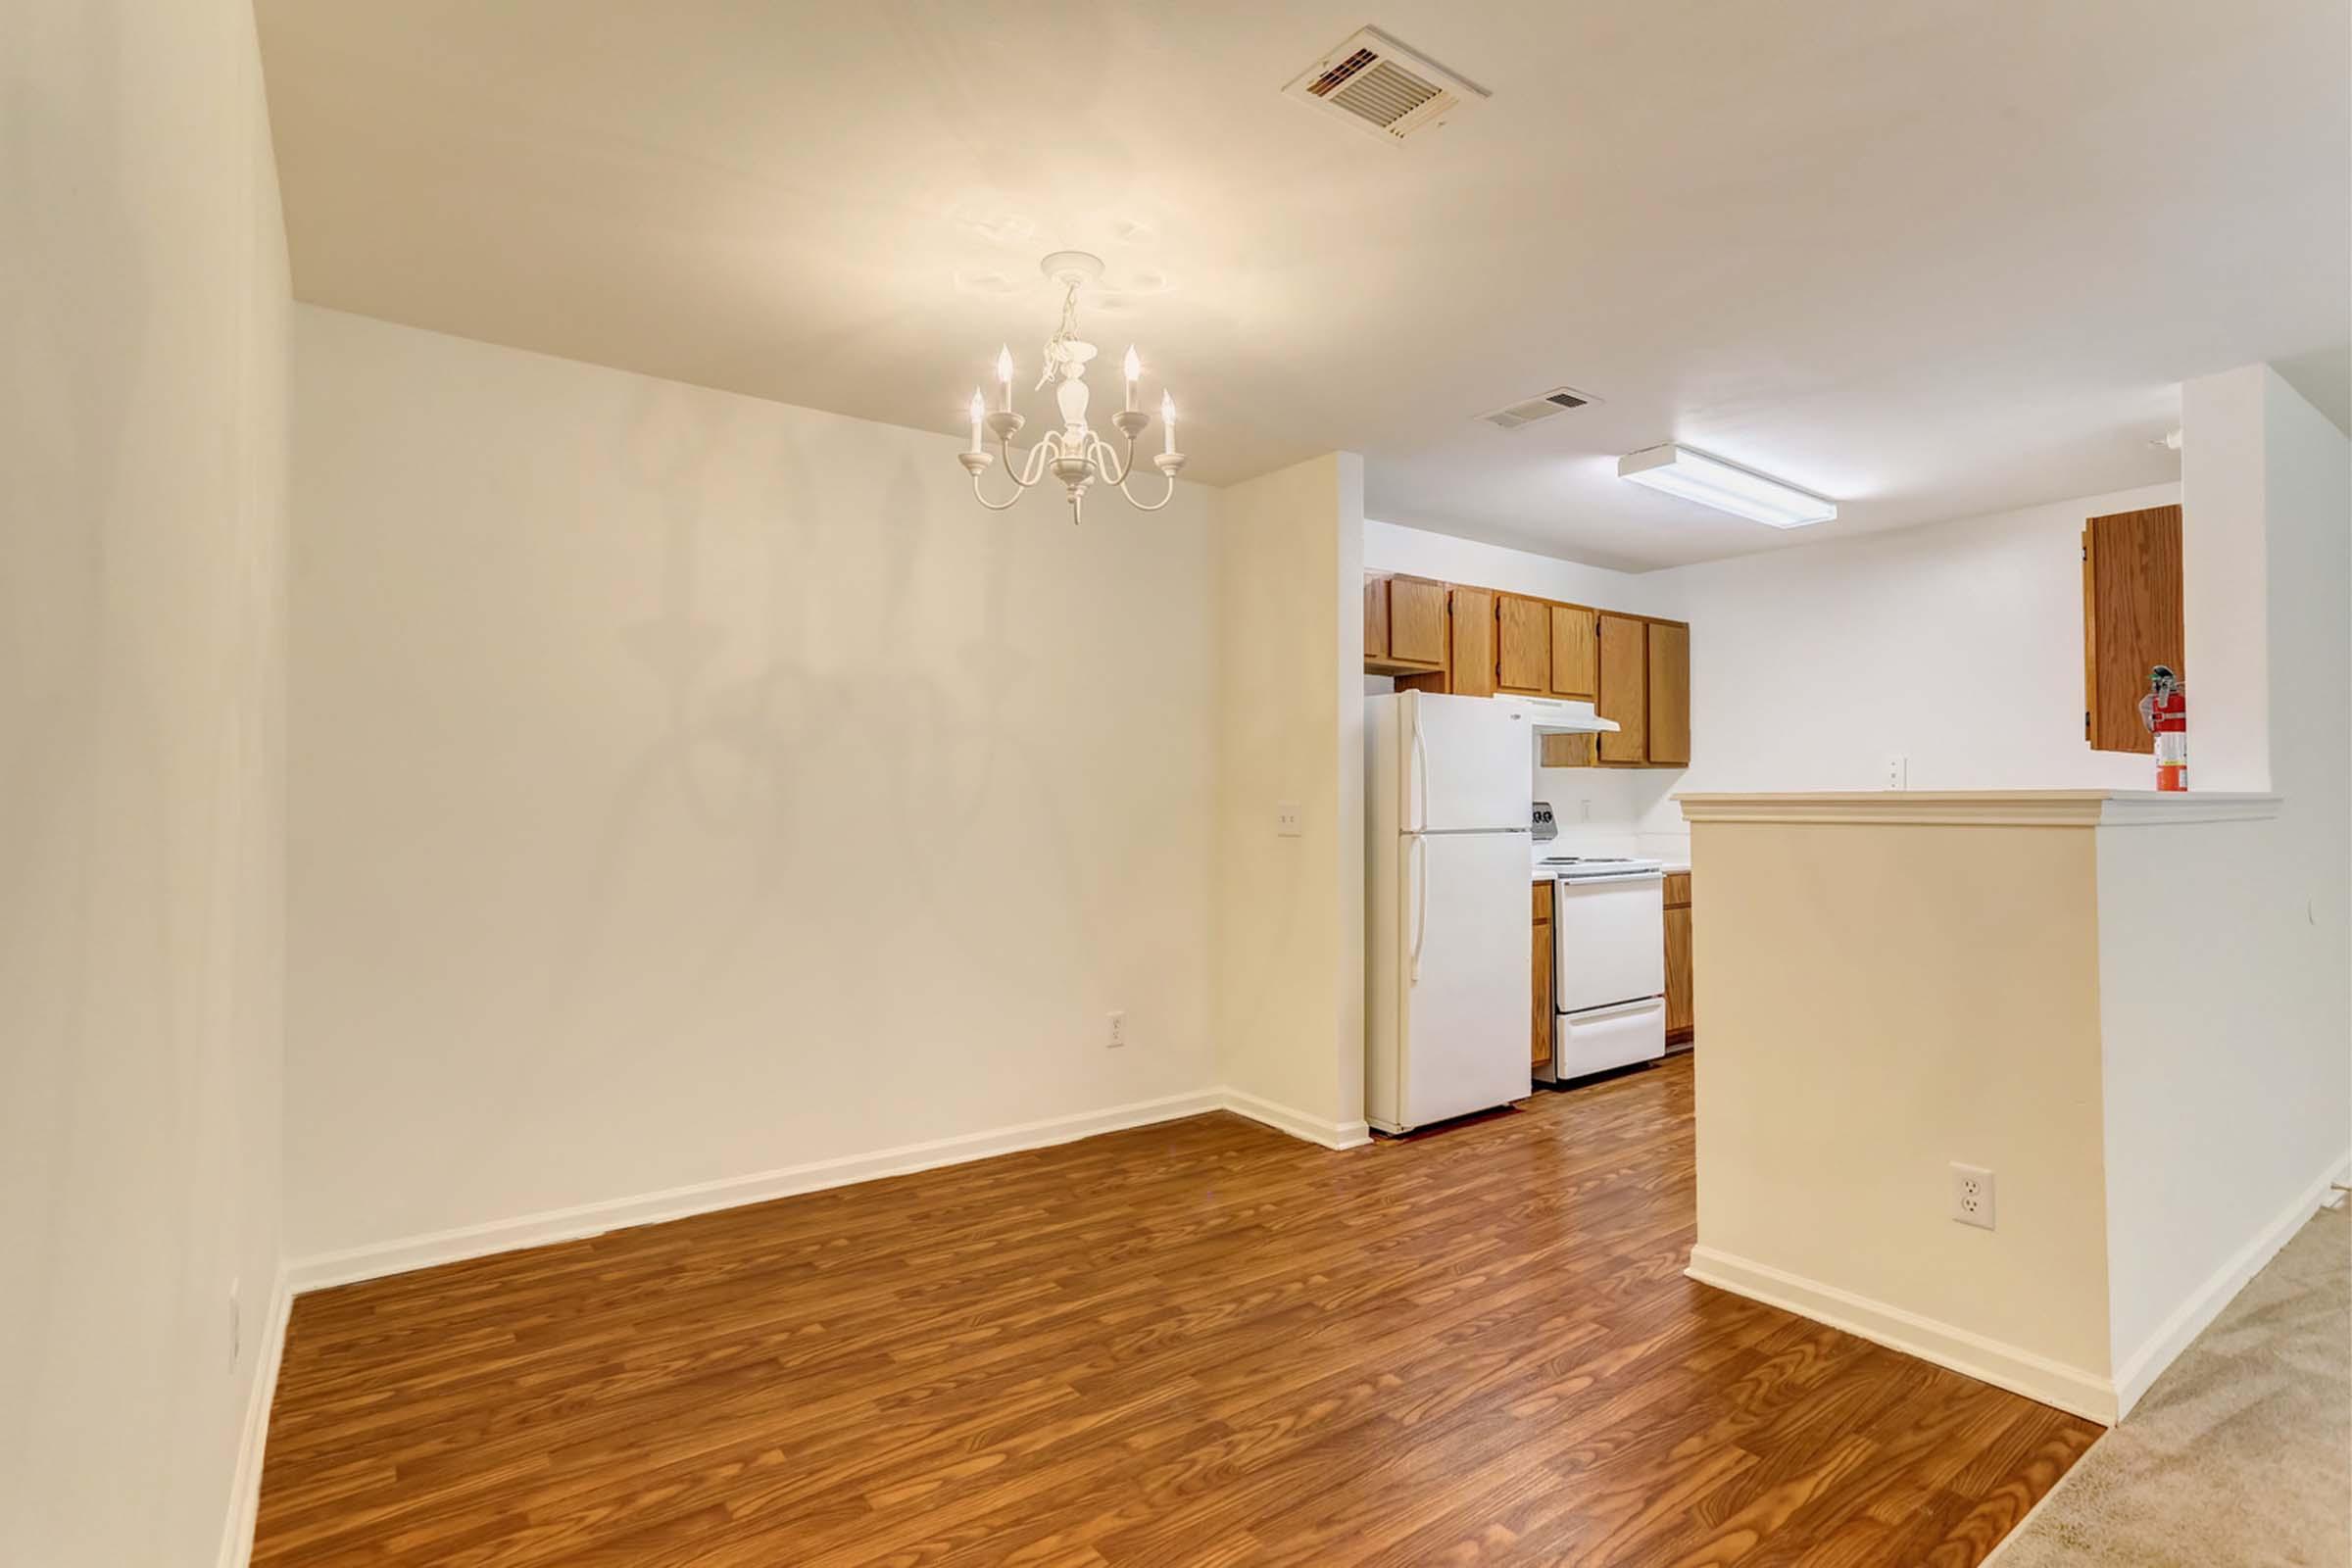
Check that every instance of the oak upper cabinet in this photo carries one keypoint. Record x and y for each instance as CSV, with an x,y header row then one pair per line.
x,y
1538,1038
1669,695
1477,642
1567,751
1575,672
1680,1019
1622,694
1473,668
1522,645
1574,652
2132,620
1404,624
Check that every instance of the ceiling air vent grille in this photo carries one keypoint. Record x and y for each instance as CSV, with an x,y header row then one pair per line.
x,y
1559,400
1383,87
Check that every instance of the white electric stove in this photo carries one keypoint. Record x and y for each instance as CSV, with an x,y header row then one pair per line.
x,y
1608,966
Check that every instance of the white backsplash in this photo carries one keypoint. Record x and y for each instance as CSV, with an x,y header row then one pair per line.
x,y
1608,811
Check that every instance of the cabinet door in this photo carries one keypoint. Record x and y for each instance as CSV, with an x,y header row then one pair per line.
x,y
1539,1037
1522,645
1567,751
1416,622
1473,642
1574,652
2132,620
1624,678
1376,618
1669,717
1678,972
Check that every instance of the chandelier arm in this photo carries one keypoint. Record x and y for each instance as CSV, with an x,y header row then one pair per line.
x,y
1025,478
1149,505
1115,471
1005,504
1033,468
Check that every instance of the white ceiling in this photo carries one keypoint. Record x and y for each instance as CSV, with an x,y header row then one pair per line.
x,y
1929,258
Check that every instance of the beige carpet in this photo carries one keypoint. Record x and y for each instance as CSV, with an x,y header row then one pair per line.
x,y
2241,1453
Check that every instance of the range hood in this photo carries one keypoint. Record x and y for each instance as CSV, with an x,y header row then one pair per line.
x,y
1555,716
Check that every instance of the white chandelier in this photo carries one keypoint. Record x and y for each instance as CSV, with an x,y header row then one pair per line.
x,y
1075,453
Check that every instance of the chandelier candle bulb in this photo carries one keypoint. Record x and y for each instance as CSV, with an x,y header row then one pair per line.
x,y
1135,373
1004,378
1167,422
979,412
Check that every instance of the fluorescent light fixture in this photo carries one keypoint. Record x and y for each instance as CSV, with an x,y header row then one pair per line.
x,y
1725,486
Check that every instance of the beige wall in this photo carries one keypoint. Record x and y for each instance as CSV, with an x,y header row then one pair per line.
x,y
142,298
1881,1001
686,787
1290,698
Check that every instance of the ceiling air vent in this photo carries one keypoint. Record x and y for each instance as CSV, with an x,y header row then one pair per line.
x,y
1559,400
1380,86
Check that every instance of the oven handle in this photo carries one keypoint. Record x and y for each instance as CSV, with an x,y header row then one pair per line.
x,y
1616,1009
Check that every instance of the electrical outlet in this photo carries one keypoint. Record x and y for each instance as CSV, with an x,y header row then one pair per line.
x,y
1288,821
236,1326
1898,772
1118,1030
1971,1195
1583,810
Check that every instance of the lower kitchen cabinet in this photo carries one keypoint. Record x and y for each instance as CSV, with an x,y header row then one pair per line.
x,y
1539,1044
1680,1022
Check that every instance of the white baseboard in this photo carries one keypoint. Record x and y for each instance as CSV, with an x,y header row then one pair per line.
x,y
2140,1371
245,1491
592,1219
2021,1371
1297,1123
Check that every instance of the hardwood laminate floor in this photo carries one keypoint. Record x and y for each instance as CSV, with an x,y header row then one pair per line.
x,y
1196,1344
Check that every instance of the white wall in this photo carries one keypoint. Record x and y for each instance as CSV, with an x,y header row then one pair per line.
x,y
142,298
2227,1030
2224,586
1811,666
685,787
1290,599
1391,547
1958,646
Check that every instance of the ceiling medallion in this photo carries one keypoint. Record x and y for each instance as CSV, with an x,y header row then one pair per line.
x,y
1074,453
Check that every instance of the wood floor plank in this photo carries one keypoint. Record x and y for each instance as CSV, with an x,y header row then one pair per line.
x,y
1202,1343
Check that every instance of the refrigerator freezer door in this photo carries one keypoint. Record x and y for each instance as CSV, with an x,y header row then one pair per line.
x,y
1469,763
1608,942
1464,991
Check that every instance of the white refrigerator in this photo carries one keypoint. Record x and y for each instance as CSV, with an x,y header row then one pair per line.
x,y
1449,787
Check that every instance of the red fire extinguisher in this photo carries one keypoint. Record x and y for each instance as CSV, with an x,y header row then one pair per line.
x,y
2165,711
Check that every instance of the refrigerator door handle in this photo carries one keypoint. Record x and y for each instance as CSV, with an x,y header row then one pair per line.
x,y
1418,868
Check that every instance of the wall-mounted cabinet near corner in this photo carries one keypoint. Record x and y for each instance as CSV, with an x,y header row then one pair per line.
x,y
1404,624
2132,620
